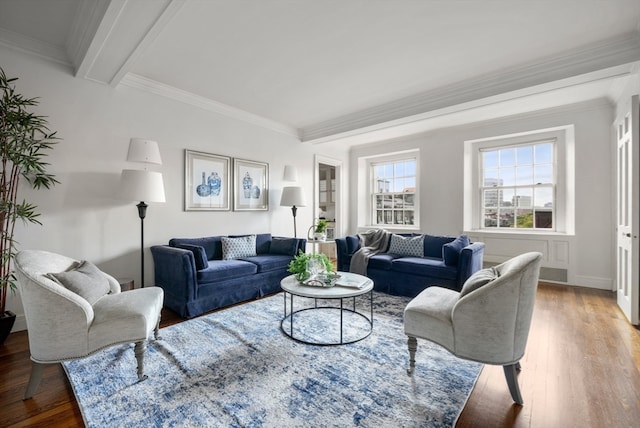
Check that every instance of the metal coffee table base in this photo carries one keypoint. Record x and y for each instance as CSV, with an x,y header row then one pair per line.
x,y
291,315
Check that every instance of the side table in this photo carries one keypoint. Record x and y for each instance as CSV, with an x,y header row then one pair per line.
x,y
126,284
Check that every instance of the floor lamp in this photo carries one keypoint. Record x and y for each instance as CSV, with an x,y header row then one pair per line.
x,y
293,197
142,185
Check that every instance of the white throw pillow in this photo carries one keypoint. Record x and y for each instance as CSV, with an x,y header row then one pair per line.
x,y
477,280
238,248
84,279
409,247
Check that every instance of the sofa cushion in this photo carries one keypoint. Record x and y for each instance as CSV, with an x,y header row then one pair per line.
x,y
220,270
433,245
84,279
269,262
451,250
477,280
381,261
199,254
283,246
212,245
238,248
424,266
410,247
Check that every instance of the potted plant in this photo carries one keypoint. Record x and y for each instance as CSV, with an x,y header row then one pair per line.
x,y
320,230
24,141
298,266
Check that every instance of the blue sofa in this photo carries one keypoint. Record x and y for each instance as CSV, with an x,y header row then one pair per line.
x,y
196,277
447,261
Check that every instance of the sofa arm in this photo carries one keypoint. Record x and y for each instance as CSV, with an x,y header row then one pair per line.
x,y
345,247
175,272
469,262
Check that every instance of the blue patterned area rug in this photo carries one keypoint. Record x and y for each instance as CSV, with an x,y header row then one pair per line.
x,y
235,368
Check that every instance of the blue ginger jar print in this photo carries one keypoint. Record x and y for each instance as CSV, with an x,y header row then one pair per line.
x,y
203,189
214,182
247,183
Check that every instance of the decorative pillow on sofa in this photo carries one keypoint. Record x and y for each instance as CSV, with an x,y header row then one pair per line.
x,y
237,248
409,247
84,279
477,280
286,247
199,254
451,251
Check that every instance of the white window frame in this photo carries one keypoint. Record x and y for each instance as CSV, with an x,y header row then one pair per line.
x,y
370,163
564,203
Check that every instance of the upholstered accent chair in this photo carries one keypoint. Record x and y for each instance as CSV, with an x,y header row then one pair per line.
x,y
73,309
487,321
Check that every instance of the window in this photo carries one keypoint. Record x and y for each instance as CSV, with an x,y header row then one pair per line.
x,y
393,196
518,186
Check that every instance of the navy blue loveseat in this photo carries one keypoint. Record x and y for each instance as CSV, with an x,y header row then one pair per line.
x,y
447,261
196,279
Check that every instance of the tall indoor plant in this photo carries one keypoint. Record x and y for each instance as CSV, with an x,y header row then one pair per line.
x,y
24,142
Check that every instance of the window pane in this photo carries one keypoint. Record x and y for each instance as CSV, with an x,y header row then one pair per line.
x,y
543,197
491,197
398,185
525,155
543,174
506,217
491,177
490,159
410,168
409,184
399,169
378,201
544,153
491,218
507,157
507,176
524,175
523,198
506,197
543,219
524,219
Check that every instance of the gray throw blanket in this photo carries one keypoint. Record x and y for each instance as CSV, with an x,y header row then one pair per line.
x,y
371,242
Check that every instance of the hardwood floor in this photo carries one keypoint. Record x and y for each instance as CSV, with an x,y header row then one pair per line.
x,y
581,369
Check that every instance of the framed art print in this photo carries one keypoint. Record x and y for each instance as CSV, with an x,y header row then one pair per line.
x,y
250,185
207,182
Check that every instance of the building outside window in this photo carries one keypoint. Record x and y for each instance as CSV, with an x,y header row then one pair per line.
x,y
393,192
518,187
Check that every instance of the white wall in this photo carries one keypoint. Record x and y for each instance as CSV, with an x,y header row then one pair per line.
x,y
587,256
82,216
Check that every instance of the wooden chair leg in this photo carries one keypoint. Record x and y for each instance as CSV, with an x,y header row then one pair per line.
x,y
139,350
512,380
412,343
34,379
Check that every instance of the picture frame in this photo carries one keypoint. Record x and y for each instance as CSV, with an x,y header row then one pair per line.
x,y
207,181
250,185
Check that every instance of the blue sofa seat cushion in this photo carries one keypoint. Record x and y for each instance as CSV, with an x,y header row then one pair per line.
x,y
270,262
220,270
381,261
432,267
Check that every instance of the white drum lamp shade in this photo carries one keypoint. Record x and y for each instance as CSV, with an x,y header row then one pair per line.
x,y
136,185
293,196
146,151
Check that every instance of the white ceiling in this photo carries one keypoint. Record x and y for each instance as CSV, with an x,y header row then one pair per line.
x,y
341,70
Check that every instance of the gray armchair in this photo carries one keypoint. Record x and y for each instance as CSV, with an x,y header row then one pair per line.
x,y
65,324
487,321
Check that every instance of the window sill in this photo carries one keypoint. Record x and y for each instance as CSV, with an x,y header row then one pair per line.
x,y
536,233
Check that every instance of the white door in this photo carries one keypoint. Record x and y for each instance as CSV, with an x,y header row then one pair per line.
x,y
627,261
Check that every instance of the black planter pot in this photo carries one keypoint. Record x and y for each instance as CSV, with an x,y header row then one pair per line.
x,y
6,324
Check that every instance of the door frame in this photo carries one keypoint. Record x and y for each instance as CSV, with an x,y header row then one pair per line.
x,y
338,164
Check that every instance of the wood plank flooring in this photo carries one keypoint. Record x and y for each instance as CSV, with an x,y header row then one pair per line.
x,y
581,369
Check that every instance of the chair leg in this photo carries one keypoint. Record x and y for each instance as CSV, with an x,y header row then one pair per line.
x,y
34,379
156,331
139,350
512,381
412,343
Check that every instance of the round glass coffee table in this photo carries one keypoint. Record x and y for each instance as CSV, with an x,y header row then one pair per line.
x,y
322,321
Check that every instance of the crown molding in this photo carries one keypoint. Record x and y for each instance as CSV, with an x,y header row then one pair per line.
x,y
598,56
152,86
35,47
